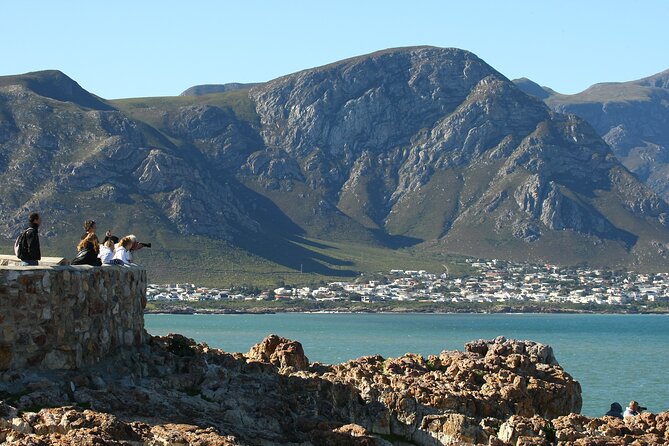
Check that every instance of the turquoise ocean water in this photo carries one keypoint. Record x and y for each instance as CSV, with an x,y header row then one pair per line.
x,y
614,357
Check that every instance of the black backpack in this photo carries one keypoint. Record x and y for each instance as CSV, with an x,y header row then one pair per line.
x,y
21,244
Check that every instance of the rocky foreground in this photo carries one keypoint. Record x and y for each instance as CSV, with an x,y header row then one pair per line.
x,y
176,392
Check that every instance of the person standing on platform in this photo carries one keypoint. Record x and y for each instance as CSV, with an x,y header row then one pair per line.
x,y
29,250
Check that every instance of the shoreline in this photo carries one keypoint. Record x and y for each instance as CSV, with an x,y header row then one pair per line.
x,y
261,310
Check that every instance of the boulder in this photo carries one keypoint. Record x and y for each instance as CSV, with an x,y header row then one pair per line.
x,y
281,352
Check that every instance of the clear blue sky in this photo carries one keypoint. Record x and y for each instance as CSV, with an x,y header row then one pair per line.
x,y
159,48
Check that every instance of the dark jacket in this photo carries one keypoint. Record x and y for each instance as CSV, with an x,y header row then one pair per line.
x,y
87,256
616,411
32,239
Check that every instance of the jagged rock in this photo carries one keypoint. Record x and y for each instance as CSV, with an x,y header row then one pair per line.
x,y
183,434
516,428
348,435
67,426
447,397
453,427
577,430
7,412
199,122
282,352
500,346
174,391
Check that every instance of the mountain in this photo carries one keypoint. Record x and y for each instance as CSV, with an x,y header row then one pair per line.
x,y
632,117
54,85
174,187
434,144
412,152
533,89
199,90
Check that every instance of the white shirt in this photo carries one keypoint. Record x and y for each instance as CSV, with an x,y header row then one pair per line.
x,y
630,413
106,254
121,254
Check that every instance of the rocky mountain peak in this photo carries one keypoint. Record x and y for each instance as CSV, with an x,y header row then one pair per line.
x,y
400,90
56,85
532,88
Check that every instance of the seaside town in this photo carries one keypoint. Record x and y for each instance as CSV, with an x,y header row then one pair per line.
x,y
491,281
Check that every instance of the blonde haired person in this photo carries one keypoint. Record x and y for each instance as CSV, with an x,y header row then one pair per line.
x,y
136,246
633,409
122,251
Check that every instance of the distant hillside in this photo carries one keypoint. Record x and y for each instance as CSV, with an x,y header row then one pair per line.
x,y
200,90
632,117
396,158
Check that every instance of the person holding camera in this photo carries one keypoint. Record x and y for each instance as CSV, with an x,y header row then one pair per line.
x,y
633,409
125,248
136,246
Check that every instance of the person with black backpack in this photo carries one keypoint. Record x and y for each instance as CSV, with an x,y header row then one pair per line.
x,y
27,247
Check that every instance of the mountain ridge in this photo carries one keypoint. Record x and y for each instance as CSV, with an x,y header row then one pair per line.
x,y
632,117
56,85
199,90
422,146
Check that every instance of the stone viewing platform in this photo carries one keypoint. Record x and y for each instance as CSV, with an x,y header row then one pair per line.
x,y
11,260
66,317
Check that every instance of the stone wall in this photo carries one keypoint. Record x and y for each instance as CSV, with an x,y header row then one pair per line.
x,y
64,317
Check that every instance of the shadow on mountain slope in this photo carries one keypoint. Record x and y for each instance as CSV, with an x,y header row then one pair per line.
x,y
396,241
288,253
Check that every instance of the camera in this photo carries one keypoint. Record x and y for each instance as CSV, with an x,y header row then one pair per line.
x,y
642,408
146,245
